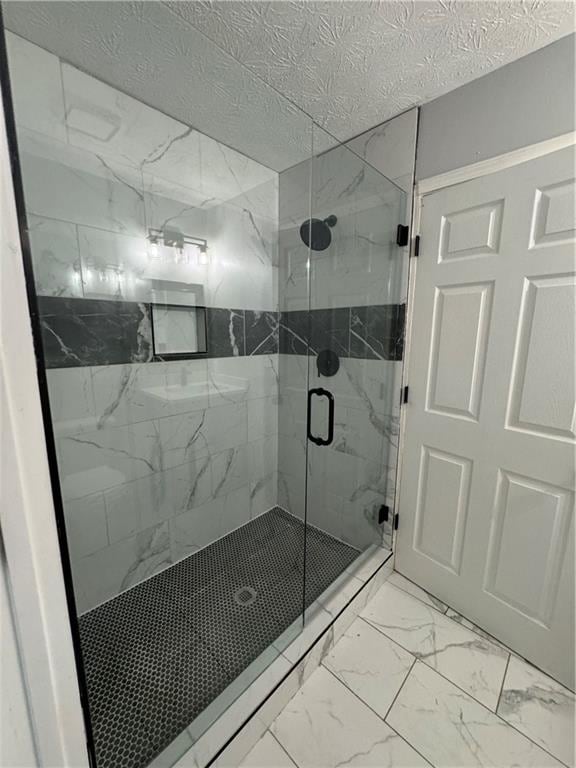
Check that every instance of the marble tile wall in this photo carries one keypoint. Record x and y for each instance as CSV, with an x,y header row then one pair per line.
x,y
159,459
101,169
363,265
357,290
78,332
349,480
156,459
366,332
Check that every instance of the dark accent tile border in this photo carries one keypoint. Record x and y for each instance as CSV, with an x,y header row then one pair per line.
x,y
374,332
294,332
225,332
330,329
83,332
261,332
80,332
377,332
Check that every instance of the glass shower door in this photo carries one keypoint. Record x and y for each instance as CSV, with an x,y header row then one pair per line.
x,y
356,330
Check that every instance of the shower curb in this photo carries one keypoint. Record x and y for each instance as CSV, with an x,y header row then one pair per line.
x,y
230,738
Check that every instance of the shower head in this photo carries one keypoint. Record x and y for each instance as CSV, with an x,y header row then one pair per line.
x,y
316,234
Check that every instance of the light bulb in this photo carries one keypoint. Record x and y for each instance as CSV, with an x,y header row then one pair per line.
x,y
154,250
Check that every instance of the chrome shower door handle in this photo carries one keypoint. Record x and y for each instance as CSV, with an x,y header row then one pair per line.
x,y
319,392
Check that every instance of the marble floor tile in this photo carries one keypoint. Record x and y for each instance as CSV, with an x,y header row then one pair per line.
x,y
471,662
267,754
370,664
325,725
452,730
413,589
539,707
463,621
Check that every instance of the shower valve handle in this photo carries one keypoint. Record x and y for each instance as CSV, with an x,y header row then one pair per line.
x,y
320,392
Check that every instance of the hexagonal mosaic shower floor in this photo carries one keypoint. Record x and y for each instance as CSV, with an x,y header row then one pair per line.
x,y
159,653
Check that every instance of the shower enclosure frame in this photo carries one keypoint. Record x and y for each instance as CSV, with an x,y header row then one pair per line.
x,y
52,462
45,404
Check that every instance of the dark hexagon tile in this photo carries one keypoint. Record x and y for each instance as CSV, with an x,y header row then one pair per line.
x,y
156,655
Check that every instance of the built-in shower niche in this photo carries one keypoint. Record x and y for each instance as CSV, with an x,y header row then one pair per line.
x,y
178,332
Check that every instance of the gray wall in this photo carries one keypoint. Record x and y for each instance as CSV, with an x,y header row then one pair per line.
x,y
527,101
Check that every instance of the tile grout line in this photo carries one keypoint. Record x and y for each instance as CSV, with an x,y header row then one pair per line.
x,y
357,696
429,605
409,744
499,717
282,747
478,631
376,713
493,641
399,689
502,684
466,693
390,639
511,725
483,633
423,661
474,628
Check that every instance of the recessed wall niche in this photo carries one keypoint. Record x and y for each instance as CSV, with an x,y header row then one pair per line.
x,y
178,331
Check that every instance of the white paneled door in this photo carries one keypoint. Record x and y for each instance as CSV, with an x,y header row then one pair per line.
x,y
487,489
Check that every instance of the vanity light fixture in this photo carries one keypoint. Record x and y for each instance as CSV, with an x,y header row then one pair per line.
x,y
154,250
173,238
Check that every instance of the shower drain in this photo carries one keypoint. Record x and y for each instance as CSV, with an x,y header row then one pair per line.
x,y
245,596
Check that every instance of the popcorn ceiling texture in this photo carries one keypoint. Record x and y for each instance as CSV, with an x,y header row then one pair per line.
x,y
349,65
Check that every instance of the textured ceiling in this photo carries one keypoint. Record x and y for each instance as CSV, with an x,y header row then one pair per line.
x,y
352,65
349,65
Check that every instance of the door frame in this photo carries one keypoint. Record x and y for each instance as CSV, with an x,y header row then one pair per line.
x,y
425,187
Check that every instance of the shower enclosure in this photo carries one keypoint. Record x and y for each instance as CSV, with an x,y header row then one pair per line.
x,y
220,292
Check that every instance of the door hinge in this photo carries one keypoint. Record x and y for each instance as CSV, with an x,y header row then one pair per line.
x,y
417,245
396,516
383,514
402,235
404,395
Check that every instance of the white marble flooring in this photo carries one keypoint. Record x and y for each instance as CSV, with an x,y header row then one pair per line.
x,y
412,683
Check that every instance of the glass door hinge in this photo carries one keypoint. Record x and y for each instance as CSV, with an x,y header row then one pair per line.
x,y
383,514
402,235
